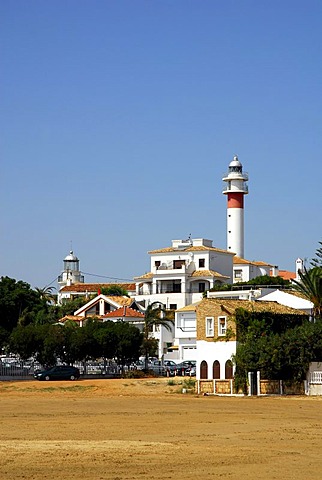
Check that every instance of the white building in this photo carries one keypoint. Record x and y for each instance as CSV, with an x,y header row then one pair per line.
x,y
181,273
245,270
217,335
289,299
185,334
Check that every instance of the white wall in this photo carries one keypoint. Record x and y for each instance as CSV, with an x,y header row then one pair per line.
x,y
211,351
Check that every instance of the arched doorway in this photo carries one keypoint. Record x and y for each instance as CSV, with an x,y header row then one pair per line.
x,y
216,370
229,369
203,370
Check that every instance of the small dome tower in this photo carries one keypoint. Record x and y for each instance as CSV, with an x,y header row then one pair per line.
x,y
71,273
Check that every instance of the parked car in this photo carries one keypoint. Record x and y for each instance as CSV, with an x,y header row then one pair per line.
x,y
171,368
60,372
187,367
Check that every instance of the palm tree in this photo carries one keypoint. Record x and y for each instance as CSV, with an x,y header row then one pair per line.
x,y
46,294
310,286
155,315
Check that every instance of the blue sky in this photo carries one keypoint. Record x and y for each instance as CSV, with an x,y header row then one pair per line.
x,y
119,119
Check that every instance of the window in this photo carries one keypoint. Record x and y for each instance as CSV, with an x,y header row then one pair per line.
x,y
176,288
209,326
173,306
202,287
157,263
229,369
201,262
204,370
107,308
238,274
216,370
222,326
177,264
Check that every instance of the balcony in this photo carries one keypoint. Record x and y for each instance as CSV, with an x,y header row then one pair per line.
x,y
174,266
235,175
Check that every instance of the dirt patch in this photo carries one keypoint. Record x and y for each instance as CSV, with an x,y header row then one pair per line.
x,y
148,429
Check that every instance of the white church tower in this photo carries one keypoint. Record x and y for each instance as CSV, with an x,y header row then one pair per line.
x,y
235,189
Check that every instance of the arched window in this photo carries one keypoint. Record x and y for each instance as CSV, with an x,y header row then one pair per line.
x,y
216,370
229,369
203,370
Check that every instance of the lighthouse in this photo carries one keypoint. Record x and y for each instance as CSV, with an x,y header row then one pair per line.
x,y
235,188
71,273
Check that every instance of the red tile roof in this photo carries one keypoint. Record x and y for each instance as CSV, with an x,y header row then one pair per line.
x,y
124,312
286,275
94,287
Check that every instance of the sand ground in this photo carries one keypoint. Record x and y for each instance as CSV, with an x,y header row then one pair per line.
x,y
148,429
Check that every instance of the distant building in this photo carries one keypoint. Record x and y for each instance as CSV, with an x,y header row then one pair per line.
x,y
88,290
71,273
245,270
181,273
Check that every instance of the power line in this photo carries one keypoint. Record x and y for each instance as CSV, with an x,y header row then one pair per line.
x,y
56,278
104,276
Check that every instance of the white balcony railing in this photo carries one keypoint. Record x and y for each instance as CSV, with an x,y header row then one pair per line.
x,y
316,377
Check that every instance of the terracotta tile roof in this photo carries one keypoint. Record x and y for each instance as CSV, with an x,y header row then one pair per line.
x,y
264,264
202,248
258,306
94,287
189,308
120,300
146,275
74,318
124,312
243,261
286,275
207,273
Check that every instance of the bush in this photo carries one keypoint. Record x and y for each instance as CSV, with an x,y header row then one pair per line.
x,y
134,374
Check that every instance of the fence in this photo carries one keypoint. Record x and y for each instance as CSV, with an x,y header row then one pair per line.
x,y
263,387
13,368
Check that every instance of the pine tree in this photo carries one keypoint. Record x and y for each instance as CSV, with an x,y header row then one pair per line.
x,y
317,262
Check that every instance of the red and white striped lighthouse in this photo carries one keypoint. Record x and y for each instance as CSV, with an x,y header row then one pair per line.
x,y
235,189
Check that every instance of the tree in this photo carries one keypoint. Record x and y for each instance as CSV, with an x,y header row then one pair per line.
x,y
46,294
115,290
17,300
266,280
4,337
128,343
317,261
155,315
257,281
310,286
106,338
23,341
68,307
280,346
83,343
